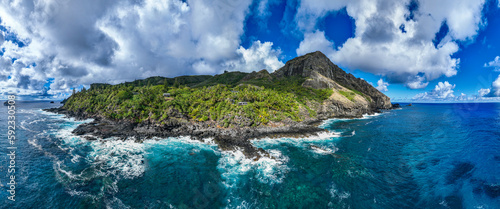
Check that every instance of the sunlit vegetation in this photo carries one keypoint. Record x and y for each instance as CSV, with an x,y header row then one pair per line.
x,y
215,99
361,94
349,95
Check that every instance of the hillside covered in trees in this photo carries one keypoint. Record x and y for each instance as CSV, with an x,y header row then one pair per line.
x,y
231,107
306,88
227,100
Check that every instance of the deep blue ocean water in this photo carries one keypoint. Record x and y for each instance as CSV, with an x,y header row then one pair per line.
x,y
424,156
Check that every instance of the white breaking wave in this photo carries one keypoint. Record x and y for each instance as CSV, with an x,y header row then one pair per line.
x,y
325,135
207,142
68,174
36,121
107,160
328,122
324,150
63,117
320,137
367,116
120,158
68,138
269,170
338,196
112,160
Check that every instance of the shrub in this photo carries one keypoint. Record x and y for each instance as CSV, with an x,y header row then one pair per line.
x,y
348,95
124,95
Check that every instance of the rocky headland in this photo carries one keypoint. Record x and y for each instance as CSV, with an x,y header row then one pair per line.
x,y
350,97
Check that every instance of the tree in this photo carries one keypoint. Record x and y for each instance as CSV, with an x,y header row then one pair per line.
x,y
165,83
124,95
74,91
176,83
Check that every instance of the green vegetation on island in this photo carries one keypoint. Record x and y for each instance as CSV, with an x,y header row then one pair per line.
x,y
226,99
307,88
232,107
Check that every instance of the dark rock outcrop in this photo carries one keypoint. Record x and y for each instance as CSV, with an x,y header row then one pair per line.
x,y
227,139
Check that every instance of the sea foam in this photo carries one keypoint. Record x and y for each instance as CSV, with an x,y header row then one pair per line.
x,y
323,150
319,137
121,158
234,164
328,122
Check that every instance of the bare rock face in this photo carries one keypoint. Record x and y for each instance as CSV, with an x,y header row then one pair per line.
x,y
322,73
305,65
318,81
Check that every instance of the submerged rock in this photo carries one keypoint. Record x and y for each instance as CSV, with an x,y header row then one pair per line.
x,y
492,191
461,170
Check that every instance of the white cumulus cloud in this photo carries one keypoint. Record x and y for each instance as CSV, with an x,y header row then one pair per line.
x,y
258,56
494,63
82,42
495,89
483,92
442,91
315,41
392,41
382,86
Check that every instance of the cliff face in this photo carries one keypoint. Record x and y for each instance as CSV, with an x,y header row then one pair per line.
x,y
352,96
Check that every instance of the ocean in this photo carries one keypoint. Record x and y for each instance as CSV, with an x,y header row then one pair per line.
x,y
423,156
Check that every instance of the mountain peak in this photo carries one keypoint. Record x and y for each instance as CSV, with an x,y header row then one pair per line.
x,y
306,64
317,62
316,53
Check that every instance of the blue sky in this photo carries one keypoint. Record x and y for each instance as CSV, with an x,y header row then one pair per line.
x,y
413,51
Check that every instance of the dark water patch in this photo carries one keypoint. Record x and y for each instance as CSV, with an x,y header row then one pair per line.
x,y
497,158
454,201
477,190
481,186
492,191
461,170
435,161
476,181
421,166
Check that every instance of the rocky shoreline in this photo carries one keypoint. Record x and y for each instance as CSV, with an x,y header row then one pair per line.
x,y
350,97
225,138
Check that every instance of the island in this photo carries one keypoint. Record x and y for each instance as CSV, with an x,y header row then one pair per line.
x,y
232,108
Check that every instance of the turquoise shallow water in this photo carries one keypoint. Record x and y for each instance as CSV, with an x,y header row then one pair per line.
x,y
424,156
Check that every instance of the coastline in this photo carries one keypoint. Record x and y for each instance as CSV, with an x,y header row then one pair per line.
x,y
225,138
231,108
